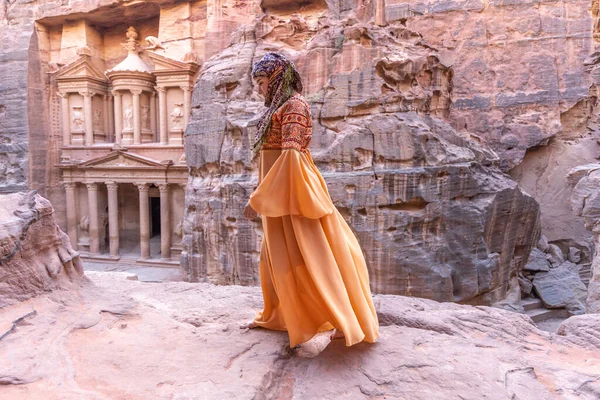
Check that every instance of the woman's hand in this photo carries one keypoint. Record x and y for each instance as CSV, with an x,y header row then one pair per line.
x,y
249,212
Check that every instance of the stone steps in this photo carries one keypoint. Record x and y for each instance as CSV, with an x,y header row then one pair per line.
x,y
543,314
531,303
534,308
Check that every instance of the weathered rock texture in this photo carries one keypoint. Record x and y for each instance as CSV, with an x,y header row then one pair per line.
x,y
543,171
35,255
435,215
555,278
15,36
585,181
561,287
543,174
518,65
126,339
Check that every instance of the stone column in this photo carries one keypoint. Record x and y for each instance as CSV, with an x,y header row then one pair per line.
x,y
144,220
137,120
66,118
118,116
162,114
105,117
113,217
153,115
93,214
71,212
165,222
111,119
187,104
89,117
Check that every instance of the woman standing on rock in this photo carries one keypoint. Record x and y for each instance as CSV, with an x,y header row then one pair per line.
x,y
313,274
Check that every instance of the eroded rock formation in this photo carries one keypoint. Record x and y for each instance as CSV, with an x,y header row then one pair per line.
x,y
35,255
94,343
585,181
430,206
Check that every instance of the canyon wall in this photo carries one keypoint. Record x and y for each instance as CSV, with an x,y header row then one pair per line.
x,y
434,212
419,109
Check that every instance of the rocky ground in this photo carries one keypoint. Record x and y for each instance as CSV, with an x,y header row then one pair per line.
x,y
116,338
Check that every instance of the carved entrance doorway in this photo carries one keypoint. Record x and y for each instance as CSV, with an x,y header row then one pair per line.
x,y
155,226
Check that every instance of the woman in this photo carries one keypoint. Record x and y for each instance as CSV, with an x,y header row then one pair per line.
x,y
313,274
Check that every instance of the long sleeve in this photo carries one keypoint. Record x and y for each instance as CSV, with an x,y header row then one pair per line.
x,y
293,185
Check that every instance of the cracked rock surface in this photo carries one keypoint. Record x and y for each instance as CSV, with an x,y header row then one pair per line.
x,y
116,338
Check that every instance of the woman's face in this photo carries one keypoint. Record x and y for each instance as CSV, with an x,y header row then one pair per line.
x,y
262,83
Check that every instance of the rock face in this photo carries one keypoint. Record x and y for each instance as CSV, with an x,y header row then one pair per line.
x,y
561,287
582,330
14,44
516,89
585,181
94,343
435,215
35,255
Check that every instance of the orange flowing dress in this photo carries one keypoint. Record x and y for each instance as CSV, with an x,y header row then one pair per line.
x,y
312,270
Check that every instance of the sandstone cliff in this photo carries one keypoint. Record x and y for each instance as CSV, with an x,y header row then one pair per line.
x,y
434,213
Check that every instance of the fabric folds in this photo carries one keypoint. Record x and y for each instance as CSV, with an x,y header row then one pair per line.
x,y
293,186
313,273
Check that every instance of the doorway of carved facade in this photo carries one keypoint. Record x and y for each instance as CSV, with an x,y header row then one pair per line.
x,y
154,226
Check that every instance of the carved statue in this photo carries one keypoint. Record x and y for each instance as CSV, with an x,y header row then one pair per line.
x,y
84,223
146,117
177,115
178,232
128,118
78,122
153,43
97,120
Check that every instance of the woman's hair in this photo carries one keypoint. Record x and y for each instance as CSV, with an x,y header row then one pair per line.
x,y
284,82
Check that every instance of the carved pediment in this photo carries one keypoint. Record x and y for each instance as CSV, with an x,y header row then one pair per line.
x,y
165,64
120,159
82,68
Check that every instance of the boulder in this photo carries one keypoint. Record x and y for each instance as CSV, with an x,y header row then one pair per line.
x,y
35,255
583,329
561,287
526,285
543,244
537,261
555,255
574,255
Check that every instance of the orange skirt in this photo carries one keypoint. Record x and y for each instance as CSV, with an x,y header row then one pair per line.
x,y
312,270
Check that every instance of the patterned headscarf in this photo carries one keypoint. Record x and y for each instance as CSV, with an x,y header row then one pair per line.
x,y
284,82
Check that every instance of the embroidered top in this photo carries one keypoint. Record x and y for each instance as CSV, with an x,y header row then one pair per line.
x,y
291,126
